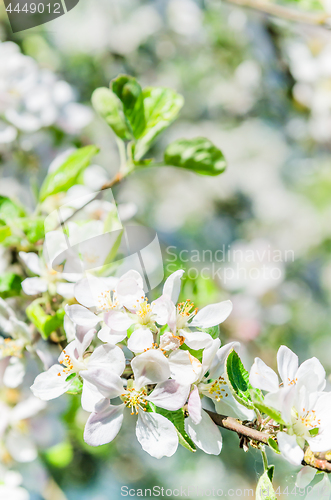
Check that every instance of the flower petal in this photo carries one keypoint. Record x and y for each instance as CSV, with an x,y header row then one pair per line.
x,y
150,367
32,261
194,406
91,396
156,434
263,377
312,373
103,427
117,320
217,366
108,356
49,385
21,447
206,435
289,448
14,373
169,395
108,383
110,336
212,315
140,340
34,286
196,340
184,367
305,477
172,285
82,316
287,363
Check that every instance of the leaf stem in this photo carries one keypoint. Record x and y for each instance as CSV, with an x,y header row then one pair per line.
x,y
265,459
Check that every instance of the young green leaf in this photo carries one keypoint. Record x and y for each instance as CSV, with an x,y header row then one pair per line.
x,y
177,418
258,400
10,285
162,106
5,232
67,175
45,323
265,490
199,155
273,445
9,209
238,380
130,93
108,105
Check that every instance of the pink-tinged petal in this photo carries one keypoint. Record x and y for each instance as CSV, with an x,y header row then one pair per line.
x,y
205,435
263,377
169,395
108,383
172,285
32,261
90,397
103,427
217,366
194,406
117,320
305,477
288,363
84,337
150,367
34,286
184,367
110,336
196,340
82,316
140,340
212,315
49,385
289,448
156,434
109,357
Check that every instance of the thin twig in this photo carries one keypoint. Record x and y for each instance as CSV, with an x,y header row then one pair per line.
x,y
276,10
315,460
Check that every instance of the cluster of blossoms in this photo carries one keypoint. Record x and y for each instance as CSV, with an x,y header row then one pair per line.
x,y
33,98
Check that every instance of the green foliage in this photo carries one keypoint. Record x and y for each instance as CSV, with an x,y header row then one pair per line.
x,y
198,155
130,94
68,173
265,490
45,323
238,380
60,455
76,386
10,210
162,106
33,228
258,400
273,445
178,419
110,108
10,285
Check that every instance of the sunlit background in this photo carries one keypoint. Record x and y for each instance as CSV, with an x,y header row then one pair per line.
x,y
260,89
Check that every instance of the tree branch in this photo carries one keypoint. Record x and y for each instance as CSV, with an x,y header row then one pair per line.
x,y
316,460
282,12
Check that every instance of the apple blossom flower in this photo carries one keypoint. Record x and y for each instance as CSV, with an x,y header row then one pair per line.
x,y
156,434
10,485
74,361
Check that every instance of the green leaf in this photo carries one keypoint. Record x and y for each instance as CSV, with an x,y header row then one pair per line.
x,y
76,386
67,175
273,445
45,323
199,155
60,455
130,93
177,418
34,228
238,380
265,490
107,104
162,106
213,331
10,285
258,400
5,232
9,209
314,432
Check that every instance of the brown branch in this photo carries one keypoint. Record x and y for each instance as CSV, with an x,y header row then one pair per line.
x,y
316,460
280,11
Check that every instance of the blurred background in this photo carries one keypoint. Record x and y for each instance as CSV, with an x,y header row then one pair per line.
x,y
258,87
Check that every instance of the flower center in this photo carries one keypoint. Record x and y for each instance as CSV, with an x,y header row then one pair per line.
x,y
292,382
67,364
107,300
144,312
11,347
305,423
135,400
185,312
216,389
